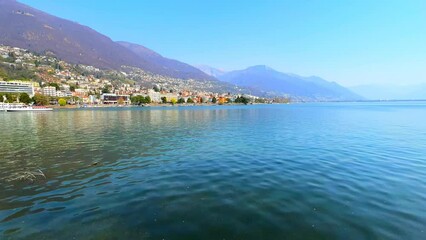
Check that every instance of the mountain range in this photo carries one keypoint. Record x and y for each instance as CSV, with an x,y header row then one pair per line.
x,y
25,27
214,72
274,83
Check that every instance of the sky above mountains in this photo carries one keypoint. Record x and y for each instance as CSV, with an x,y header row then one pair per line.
x,y
352,42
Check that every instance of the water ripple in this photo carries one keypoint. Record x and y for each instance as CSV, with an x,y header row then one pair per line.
x,y
309,171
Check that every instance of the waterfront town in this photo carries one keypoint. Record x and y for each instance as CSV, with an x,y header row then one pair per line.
x,y
27,77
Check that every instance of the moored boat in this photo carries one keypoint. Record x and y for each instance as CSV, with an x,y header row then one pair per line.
x,y
29,109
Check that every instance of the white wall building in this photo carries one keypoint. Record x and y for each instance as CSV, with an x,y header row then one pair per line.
x,y
155,96
63,94
49,91
17,87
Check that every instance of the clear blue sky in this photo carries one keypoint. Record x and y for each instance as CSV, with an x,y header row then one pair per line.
x,y
352,42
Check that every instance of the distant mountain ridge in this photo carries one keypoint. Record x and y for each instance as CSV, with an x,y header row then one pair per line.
x,y
266,79
214,72
26,27
174,67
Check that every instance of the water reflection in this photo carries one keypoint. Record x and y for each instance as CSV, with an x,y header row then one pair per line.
x,y
246,172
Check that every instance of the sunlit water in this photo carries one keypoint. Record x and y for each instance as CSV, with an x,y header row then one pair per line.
x,y
301,171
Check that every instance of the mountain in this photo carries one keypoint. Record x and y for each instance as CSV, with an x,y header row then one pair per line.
x,y
26,27
211,71
392,92
173,67
266,79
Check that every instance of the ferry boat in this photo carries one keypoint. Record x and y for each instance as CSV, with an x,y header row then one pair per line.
x,y
19,107
29,109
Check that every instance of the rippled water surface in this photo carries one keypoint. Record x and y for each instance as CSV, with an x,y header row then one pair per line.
x,y
302,171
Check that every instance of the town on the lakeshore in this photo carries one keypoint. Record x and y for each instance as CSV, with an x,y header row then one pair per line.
x,y
30,78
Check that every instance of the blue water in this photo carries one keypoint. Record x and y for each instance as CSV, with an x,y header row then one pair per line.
x,y
299,171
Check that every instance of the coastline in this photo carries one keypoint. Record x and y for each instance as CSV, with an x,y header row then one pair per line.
x,y
145,106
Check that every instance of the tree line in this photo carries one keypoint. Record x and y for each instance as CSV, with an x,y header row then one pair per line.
x,y
38,99
139,100
14,97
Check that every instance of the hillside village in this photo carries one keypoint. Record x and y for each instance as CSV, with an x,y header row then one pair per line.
x,y
82,84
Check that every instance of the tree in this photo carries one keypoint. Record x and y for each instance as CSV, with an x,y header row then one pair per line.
x,y
11,57
106,89
189,100
62,102
120,101
40,99
72,88
12,54
138,100
57,66
156,88
181,100
214,100
242,99
245,100
135,100
11,98
3,75
24,98
164,100
54,85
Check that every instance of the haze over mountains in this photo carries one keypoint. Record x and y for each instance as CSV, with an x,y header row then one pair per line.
x,y
25,27
215,72
392,92
274,83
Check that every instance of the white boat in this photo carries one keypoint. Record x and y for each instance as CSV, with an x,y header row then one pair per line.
x,y
29,109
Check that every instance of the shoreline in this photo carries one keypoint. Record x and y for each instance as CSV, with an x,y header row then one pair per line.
x,y
145,106
158,105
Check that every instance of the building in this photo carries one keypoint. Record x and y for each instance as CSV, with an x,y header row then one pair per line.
x,y
93,99
49,91
81,93
63,94
17,87
111,98
169,96
155,96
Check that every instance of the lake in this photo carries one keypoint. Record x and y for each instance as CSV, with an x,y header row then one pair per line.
x,y
298,171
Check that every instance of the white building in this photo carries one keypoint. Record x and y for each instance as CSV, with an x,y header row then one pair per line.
x,y
17,87
81,92
155,96
93,99
63,94
49,91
